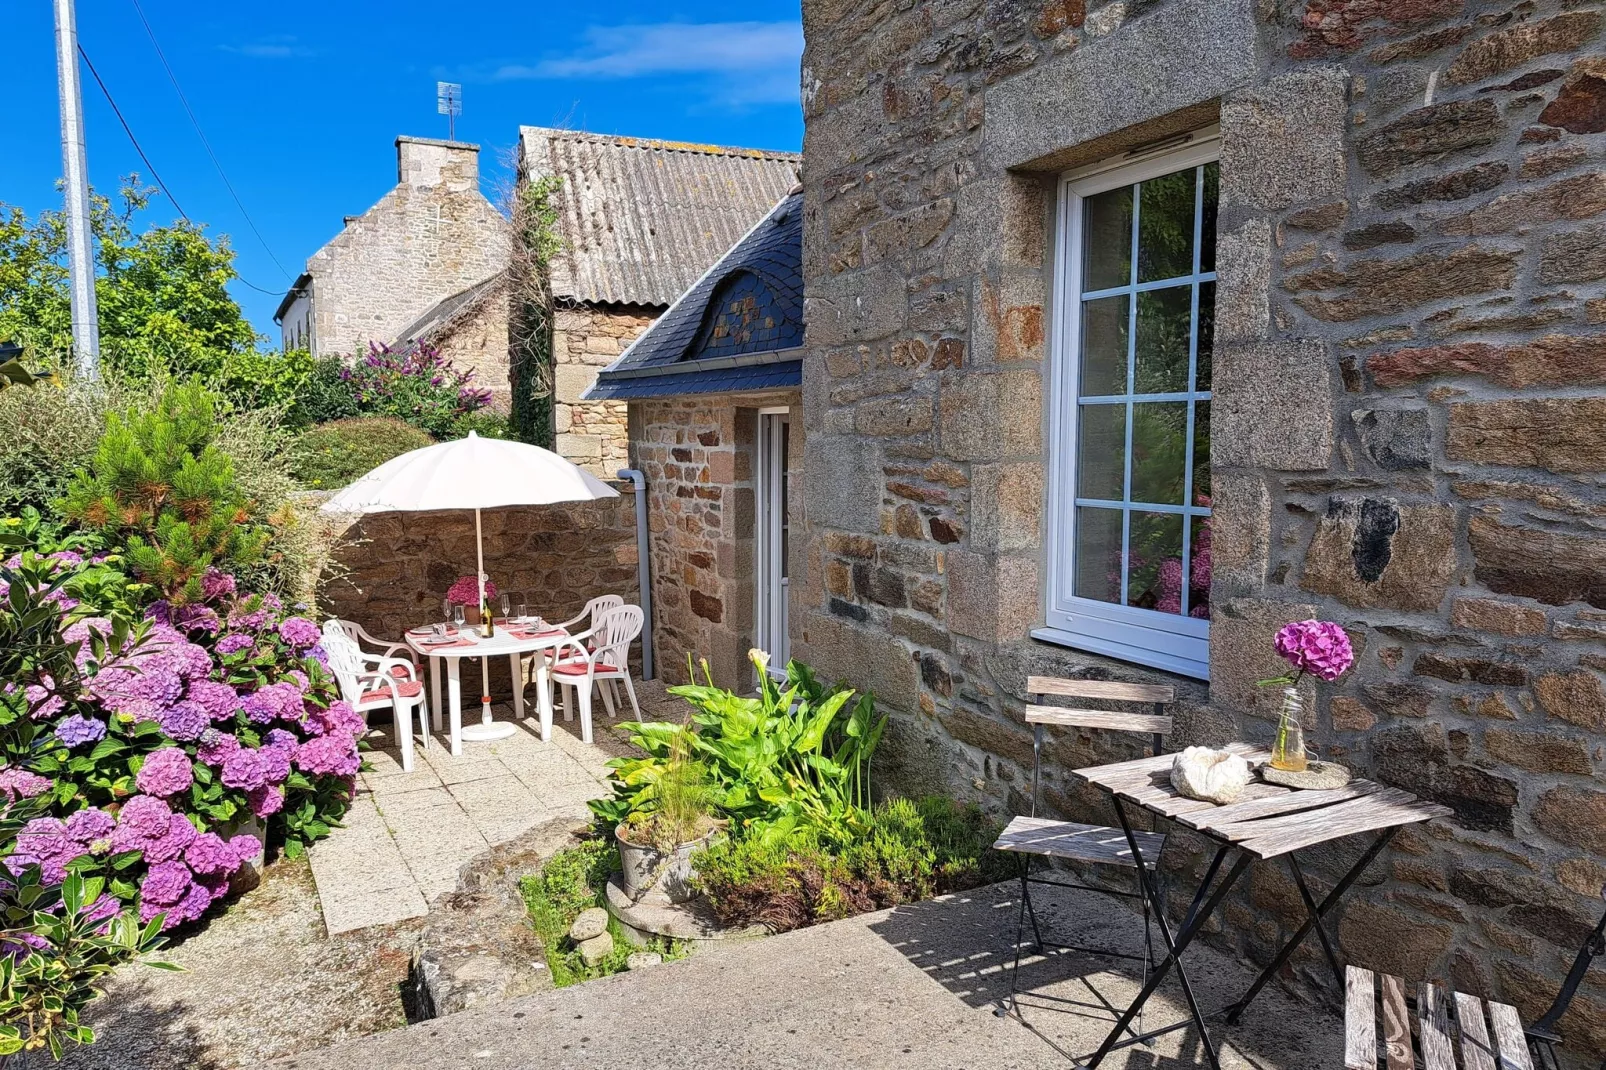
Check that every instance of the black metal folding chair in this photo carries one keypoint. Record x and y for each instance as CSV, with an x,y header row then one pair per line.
x,y
1542,1035
1033,837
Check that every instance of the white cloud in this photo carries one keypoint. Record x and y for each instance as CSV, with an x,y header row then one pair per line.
x,y
275,47
742,62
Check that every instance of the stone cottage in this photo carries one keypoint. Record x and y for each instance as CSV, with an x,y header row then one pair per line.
x,y
640,220
1135,330
711,390
421,264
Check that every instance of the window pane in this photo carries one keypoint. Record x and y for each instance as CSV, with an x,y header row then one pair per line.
x,y
1098,554
1101,449
1104,334
1207,232
1154,568
1159,451
1199,566
1107,239
1165,226
1165,319
1207,336
1201,453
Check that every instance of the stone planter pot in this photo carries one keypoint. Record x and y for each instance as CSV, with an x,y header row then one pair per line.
x,y
673,871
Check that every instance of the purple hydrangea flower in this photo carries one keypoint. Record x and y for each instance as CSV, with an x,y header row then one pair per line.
x,y
166,772
216,747
180,834
209,854
185,720
299,632
145,817
245,847
165,884
222,702
246,768
279,739
43,701
320,655
44,842
216,584
1318,647
18,783
77,730
233,642
266,800
333,754
90,826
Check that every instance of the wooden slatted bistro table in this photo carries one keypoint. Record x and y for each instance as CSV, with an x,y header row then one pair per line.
x,y
1267,822
1495,1043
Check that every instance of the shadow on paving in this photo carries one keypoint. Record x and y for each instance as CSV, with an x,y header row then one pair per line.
x,y
1070,1000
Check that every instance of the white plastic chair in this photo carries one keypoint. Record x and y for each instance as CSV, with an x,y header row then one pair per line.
x,y
579,668
368,682
354,631
594,609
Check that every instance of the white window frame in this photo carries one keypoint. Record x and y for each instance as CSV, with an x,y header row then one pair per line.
x,y
1179,644
772,589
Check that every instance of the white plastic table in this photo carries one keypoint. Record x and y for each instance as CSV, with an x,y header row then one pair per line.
x,y
500,645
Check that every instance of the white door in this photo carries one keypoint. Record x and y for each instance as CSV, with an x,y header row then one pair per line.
x,y
772,537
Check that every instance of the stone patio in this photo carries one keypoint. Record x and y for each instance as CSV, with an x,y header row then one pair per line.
x,y
408,834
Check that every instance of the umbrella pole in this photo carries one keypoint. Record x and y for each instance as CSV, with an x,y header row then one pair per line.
x,y
487,729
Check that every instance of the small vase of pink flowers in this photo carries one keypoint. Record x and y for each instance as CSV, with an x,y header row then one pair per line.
x,y
1320,648
465,592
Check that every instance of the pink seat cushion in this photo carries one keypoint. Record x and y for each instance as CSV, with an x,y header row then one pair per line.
x,y
401,672
404,688
578,668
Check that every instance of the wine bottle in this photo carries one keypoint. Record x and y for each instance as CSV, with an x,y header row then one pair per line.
x,y
487,626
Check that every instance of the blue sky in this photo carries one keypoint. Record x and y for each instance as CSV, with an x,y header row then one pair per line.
x,y
301,102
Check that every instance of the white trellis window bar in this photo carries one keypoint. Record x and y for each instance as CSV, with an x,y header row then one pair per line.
x,y
1129,497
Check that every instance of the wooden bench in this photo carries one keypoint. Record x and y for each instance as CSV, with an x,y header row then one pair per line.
x,y
1484,1035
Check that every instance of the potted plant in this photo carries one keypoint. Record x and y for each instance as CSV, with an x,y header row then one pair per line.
x,y
657,840
465,592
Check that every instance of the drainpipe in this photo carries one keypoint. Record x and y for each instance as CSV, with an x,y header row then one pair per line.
x,y
643,571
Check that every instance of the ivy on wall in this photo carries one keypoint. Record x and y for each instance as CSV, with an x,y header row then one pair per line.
x,y
535,221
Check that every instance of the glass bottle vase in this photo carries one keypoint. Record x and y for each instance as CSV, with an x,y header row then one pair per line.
x,y
1288,752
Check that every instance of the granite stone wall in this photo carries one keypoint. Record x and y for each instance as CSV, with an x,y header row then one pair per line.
x,y
586,339
1408,368
697,455
431,236
395,568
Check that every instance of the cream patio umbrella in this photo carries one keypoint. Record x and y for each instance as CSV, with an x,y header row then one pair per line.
x,y
470,473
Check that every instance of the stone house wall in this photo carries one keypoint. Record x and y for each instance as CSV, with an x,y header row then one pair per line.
x,y
1408,365
393,569
431,236
585,339
476,339
698,457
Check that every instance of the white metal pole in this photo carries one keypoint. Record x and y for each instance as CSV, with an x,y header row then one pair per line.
x,y
75,173
488,728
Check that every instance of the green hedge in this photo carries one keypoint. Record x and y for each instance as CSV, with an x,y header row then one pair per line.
x,y
331,455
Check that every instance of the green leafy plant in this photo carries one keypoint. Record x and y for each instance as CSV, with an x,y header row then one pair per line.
x,y
324,395
678,812
333,454
535,214
907,851
159,483
786,761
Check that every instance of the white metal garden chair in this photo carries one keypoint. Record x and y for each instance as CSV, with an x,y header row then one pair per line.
x,y
579,667
369,682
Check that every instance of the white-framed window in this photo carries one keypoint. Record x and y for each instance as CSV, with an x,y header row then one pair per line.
x,y
1128,547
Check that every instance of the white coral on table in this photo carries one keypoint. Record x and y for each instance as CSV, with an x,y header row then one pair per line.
x,y
1216,776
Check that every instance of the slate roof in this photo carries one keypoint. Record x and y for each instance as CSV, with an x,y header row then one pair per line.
x,y
700,346
642,219
446,309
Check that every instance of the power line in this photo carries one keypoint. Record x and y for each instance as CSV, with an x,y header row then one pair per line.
x,y
205,143
151,166
127,130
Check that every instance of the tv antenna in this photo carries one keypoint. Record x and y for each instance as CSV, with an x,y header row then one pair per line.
x,y
449,102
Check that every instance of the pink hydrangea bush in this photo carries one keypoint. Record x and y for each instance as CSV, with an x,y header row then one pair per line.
x,y
152,745
1318,647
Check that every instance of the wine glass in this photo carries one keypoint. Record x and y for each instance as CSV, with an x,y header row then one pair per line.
x,y
446,609
506,605
457,616
524,610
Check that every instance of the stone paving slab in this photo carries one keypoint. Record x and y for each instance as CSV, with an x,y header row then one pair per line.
x,y
912,988
408,834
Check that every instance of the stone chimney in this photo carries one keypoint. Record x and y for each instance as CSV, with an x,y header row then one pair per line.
x,y
426,163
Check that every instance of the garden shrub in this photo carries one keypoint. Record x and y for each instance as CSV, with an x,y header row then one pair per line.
x,y
324,395
792,762
152,742
159,484
46,434
255,379
909,851
333,454
415,384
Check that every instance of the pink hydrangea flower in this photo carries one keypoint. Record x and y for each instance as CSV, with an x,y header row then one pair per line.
x,y
180,834
166,772
266,800
299,632
333,754
234,641
184,720
209,853
466,591
165,884
216,747
222,702
18,783
1318,647
216,584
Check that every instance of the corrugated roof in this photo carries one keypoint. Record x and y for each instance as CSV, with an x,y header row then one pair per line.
x,y
642,219
674,354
